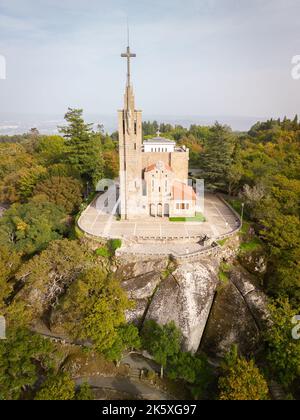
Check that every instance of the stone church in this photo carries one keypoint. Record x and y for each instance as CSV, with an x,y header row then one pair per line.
x,y
153,173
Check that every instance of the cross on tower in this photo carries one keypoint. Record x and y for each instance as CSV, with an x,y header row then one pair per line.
x,y
128,55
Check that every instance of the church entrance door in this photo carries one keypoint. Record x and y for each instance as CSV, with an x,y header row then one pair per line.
x,y
159,210
153,210
166,210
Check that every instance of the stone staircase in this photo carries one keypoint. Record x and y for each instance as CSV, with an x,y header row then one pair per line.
x,y
277,391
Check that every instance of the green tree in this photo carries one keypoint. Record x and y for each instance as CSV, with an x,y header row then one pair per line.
x,y
193,369
85,393
28,178
282,234
22,355
13,158
83,147
216,160
94,309
65,192
46,276
162,342
241,379
111,164
30,227
9,263
283,351
19,185
50,150
58,387
127,338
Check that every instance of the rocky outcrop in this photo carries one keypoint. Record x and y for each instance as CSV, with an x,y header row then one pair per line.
x,y
254,298
142,286
238,314
129,267
185,297
208,313
230,322
255,261
140,289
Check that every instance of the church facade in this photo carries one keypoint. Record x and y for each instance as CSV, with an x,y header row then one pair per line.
x,y
153,173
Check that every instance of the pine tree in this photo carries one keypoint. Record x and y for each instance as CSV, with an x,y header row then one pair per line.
x,y
83,147
217,157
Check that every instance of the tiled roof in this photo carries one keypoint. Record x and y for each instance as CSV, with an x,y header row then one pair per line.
x,y
183,192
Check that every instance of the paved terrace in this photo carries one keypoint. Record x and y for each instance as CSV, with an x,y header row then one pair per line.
x,y
97,220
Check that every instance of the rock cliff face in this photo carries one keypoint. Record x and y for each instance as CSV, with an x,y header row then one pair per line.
x,y
140,280
184,297
211,316
141,289
237,317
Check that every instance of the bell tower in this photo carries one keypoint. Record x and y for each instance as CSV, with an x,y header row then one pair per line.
x,y
130,150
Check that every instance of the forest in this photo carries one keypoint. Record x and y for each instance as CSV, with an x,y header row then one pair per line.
x,y
49,275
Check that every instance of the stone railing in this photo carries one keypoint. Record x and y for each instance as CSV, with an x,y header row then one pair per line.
x,y
166,239
212,250
238,219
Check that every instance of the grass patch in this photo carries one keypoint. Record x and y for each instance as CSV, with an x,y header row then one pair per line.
x,y
109,250
103,252
223,277
198,218
224,272
171,267
114,244
222,242
81,363
252,245
236,204
245,228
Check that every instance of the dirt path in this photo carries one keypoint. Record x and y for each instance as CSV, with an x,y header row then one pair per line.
x,y
127,385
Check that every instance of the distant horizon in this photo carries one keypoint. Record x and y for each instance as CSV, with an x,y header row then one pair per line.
x,y
20,123
199,57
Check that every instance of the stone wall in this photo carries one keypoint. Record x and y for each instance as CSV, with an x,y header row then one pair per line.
x,y
179,162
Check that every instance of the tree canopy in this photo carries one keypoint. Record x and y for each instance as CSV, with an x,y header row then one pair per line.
x,y
22,354
65,192
241,379
162,342
30,227
83,147
94,309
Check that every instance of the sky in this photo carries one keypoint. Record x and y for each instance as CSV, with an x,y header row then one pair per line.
x,y
194,57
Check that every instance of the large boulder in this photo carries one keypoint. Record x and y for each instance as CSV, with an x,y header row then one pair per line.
x,y
185,297
254,297
140,289
143,286
131,267
239,313
230,322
